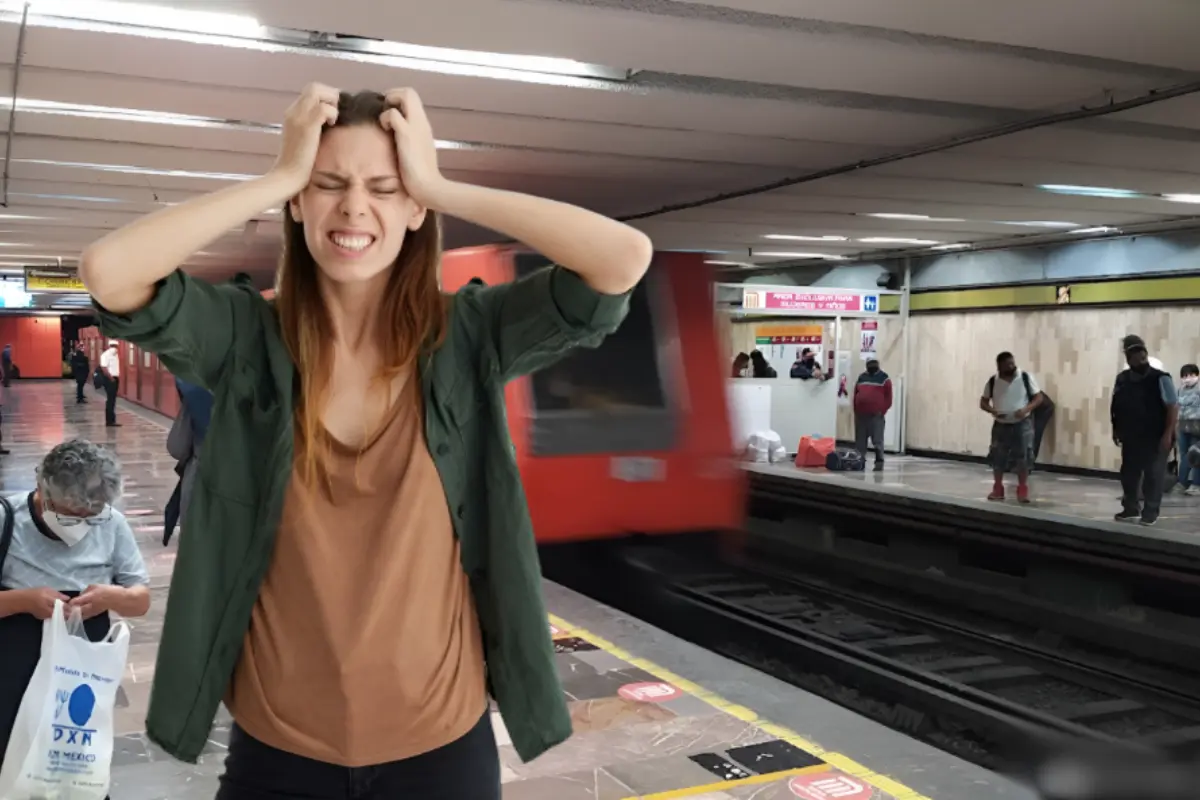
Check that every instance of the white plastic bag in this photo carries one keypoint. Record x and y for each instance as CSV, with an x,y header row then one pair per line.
x,y
765,446
62,742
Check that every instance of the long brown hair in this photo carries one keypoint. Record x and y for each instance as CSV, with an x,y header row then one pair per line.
x,y
411,319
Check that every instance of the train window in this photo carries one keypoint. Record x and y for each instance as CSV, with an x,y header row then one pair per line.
x,y
614,398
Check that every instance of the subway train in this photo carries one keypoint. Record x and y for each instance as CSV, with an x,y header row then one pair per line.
x,y
631,437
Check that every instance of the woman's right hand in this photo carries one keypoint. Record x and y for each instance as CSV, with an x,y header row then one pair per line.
x,y
316,107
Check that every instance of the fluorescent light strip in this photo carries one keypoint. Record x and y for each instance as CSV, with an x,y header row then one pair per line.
x,y
896,240
789,238
245,32
1090,191
779,254
146,16
1182,198
1039,224
25,105
132,170
914,217
956,246
1096,229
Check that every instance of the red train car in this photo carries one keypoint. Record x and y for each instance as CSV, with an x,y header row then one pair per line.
x,y
632,436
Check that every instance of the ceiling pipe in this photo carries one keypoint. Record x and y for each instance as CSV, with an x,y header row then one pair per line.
x,y
12,109
1008,129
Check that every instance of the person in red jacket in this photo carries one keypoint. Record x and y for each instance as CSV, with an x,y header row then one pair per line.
x,y
872,399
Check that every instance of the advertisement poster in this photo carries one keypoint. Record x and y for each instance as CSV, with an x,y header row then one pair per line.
x,y
869,331
843,377
783,344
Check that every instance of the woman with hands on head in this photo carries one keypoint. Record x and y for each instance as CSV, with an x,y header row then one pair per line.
x,y
69,545
362,572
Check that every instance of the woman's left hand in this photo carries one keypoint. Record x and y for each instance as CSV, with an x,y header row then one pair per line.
x,y
415,145
93,601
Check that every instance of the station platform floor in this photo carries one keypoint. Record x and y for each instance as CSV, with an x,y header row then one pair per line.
x,y
1087,501
655,717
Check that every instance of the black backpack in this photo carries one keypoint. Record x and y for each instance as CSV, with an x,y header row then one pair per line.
x,y
845,460
6,534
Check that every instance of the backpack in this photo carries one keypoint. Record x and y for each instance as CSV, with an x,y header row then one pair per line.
x,y
1041,412
845,460
6,534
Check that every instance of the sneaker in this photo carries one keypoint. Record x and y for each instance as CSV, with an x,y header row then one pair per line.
x,y
1147,522
997,493
1023,494
1192,491
1127,516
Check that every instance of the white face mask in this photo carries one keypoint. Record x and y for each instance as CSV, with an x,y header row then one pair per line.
x,y
71,534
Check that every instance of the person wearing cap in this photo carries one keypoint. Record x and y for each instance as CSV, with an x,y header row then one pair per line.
x,y
872,400
110,365
1144,411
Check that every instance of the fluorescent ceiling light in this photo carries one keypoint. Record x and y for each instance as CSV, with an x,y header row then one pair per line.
x,y
896,240
780,254
789,238
1097,229
1182,198
1039,224
132,170
147,16
956,246
21,216
915,217
1089,191
729,264
246,32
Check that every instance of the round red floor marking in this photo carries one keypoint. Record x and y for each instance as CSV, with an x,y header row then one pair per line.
x,y
649,692
829,786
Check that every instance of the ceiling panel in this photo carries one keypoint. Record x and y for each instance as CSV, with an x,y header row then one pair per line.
x,y
726,97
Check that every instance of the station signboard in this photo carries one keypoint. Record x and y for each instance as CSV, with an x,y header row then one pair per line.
x,y
800,301
53,280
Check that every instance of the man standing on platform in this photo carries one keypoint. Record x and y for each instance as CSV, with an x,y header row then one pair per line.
x,y
110,365
1145,411
872,400
1010,397
81,369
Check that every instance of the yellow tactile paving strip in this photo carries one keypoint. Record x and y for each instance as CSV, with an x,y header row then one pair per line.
x,y
839,761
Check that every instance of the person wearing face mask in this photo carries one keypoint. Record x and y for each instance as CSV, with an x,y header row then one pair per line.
x,y
66,543
1189,428
1144,411
872,400
1010,397
807,367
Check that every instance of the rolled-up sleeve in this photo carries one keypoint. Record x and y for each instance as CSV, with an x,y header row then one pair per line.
x,y
532,321
189,324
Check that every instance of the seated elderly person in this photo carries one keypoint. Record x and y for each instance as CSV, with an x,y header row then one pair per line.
x,y
65,542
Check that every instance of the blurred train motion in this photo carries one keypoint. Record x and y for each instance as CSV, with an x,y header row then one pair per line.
x,y
632,437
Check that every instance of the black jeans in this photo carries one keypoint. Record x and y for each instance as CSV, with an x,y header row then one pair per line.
x,y
1144,467
468,769
79,384
110,400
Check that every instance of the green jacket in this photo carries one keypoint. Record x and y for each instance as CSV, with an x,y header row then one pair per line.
x,y
227,339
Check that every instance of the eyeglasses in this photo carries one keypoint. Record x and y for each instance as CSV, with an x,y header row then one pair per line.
x,y
71,520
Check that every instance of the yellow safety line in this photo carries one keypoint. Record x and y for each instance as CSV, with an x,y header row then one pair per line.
x,y
836,760
754,780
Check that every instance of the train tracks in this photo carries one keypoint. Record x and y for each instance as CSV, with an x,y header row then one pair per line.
x,y
976,686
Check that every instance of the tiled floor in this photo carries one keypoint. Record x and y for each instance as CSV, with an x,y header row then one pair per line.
x,y
1093,501
640,730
